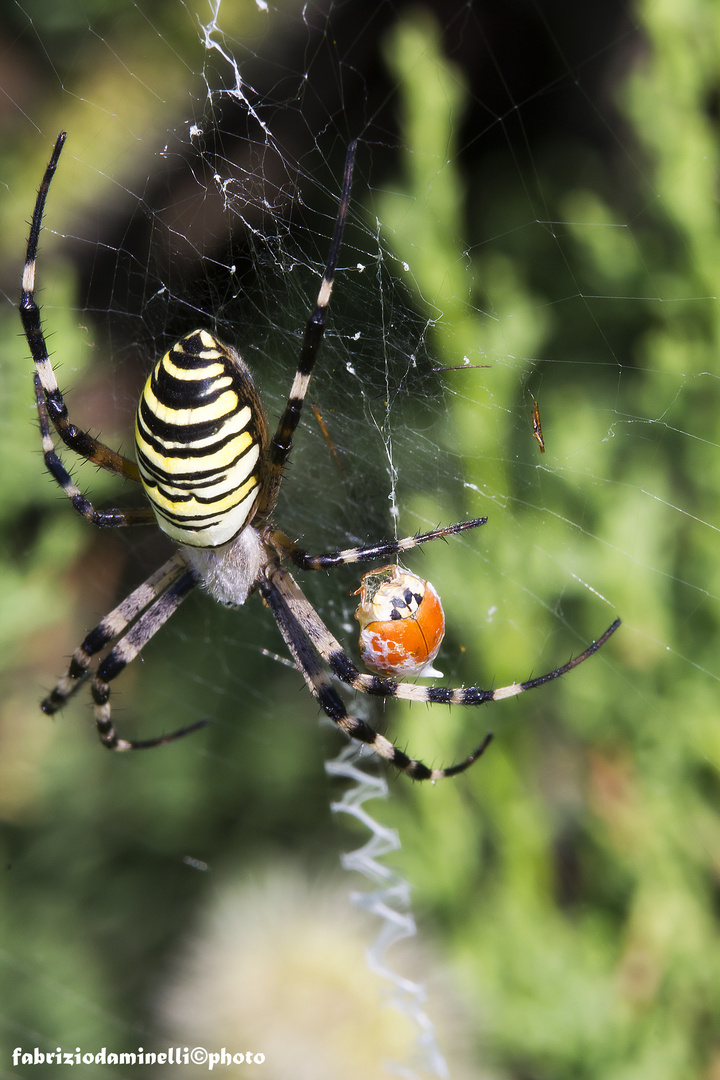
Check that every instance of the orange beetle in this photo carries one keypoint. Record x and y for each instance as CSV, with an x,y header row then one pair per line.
x,y
402,622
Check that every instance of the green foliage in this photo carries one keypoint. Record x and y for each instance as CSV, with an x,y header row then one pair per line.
x,y
578,878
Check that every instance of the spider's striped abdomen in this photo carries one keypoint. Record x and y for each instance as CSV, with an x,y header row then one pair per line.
x,y
200,438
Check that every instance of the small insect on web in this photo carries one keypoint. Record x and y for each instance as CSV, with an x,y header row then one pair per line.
x,y
211,473
537,426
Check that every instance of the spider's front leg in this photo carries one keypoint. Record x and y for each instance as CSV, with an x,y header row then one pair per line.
x,y
109,519
74,438
384,549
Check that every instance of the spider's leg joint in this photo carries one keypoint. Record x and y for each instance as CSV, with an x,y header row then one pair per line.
x,y
380,687
342,666
100,691
440,695
58,413
473,695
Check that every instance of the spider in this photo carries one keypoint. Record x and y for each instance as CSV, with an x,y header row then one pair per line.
x,y
211,476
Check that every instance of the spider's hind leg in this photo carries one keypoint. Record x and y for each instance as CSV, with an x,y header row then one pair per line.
x,y
148,607
123,653
111,626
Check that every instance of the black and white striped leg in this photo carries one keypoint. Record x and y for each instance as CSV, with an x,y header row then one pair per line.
x,y
76,439
108,519
127,648
382,550
281,444
319,684
109,628
342,666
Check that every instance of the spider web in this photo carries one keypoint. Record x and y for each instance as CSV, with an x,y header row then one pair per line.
x,y
533,220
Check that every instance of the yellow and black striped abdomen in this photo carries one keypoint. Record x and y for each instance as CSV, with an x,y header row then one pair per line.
x,y
200,438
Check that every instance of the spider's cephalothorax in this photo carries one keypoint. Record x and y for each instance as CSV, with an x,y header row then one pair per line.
x,y
211,474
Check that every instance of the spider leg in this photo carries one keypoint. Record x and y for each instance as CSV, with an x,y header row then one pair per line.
x,y
281,443
342,666
111,626
382,550
304,652
104,518
79,441
127,648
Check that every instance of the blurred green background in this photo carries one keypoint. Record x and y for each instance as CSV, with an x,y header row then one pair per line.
x,y
566,888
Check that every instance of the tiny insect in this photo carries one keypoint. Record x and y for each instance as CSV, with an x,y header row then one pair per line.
x,y
328,440
537,426
402,622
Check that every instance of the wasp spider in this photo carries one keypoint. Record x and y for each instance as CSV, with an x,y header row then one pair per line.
x,y
211,475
